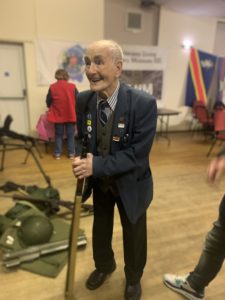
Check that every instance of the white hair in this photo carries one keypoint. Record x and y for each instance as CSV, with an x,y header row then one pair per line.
x,y
114,47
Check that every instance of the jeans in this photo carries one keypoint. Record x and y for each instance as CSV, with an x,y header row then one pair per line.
x,y
213,254
59,133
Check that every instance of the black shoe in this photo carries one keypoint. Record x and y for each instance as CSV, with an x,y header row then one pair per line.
x,y
97,278
133,292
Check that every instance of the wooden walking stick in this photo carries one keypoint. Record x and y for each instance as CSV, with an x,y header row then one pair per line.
x,y
74,231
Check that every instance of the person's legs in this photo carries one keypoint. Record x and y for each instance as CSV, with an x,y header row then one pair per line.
x,y
70,132
192,285
135,246
103,229
135,252
213,254
59,129
102,238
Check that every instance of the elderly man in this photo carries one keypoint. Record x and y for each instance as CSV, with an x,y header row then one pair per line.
x,y
121,124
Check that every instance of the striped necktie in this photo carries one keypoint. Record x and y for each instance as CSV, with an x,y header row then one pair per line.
x,y
103,111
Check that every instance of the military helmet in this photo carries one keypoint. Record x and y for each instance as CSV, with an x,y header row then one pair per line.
x,y
35,230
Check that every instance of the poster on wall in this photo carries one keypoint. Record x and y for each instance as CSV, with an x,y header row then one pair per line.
x,y
52,55
143,68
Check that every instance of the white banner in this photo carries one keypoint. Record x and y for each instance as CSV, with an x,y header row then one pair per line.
x,y
144,66
53,55
144,58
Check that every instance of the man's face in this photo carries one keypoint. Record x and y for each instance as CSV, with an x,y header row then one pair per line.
x,y
101,71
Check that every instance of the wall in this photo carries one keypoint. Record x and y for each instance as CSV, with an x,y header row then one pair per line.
x,y
69,20
219,48
173,29
116,28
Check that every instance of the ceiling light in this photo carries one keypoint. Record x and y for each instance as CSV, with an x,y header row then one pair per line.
x,y
186,44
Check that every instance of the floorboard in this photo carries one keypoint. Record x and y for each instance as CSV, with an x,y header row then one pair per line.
x,y
182,212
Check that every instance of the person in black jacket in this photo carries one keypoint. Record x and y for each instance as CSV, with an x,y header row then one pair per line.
x,y
121,124
193,285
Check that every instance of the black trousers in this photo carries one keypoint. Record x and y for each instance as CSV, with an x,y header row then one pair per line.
x,y
134,236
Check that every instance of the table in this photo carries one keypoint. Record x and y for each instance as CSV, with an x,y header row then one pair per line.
x,y
163,117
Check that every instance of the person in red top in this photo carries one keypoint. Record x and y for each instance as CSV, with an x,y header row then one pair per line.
x,y
61,101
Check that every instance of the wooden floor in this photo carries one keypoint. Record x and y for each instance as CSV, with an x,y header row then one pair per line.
x,y
181,213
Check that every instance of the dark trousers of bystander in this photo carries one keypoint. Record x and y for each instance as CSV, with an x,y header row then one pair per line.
x,y
213,254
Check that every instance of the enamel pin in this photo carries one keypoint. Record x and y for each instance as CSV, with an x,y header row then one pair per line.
x,y
116,138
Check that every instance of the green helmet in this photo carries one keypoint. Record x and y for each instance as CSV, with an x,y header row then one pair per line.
x,y
35,230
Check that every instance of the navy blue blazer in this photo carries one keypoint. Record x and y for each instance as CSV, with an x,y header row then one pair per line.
x,y
133,132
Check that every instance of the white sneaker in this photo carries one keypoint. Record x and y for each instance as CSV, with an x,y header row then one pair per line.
x,y
180,285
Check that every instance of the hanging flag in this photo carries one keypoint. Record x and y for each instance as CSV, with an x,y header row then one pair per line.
x,y
201,69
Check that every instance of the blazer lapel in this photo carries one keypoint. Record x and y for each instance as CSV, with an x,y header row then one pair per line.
x,y
91,125
121,118
120,122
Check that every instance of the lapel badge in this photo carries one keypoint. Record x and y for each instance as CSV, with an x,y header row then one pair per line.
x,y
89,128
121,125
116,138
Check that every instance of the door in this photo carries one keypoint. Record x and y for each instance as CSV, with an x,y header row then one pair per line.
x,y
13,99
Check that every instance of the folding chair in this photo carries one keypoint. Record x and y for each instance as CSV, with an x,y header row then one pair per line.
x,y
219,128
204,118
